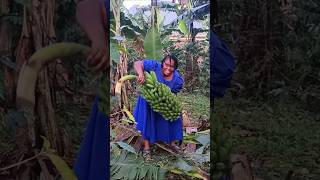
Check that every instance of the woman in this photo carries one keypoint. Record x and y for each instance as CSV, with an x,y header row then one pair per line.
x,y
152,125
93,158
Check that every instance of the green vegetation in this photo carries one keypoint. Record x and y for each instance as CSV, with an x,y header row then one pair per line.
x,y
279,137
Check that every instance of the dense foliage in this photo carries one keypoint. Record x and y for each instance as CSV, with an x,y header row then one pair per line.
x,y
276,45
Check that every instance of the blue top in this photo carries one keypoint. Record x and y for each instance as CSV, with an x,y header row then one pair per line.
x,y
222,66
152,125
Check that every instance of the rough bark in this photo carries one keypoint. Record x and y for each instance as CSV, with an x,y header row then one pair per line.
x,y
38,31
122,67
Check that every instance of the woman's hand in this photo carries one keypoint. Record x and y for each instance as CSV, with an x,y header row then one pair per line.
x,y
141,78
98,58
138,66
91,14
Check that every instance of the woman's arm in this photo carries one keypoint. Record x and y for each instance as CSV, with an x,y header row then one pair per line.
x,y
138,67
91,15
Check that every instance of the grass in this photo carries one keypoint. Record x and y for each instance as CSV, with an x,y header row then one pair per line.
x,y
197,104
278,137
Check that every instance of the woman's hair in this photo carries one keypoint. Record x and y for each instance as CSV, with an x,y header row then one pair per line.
x,y
171,57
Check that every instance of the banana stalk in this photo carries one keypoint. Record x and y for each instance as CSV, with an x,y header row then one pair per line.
x,y
121,81
30,69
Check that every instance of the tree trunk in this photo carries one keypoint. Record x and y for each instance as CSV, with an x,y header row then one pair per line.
x,y
37,32
122,67
191,63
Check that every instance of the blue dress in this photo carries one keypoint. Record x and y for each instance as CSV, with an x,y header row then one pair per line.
x,y
152,125
222,67
93,158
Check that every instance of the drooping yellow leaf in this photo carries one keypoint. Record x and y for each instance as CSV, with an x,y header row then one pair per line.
x,y
62,167
196,175
129,114
176,171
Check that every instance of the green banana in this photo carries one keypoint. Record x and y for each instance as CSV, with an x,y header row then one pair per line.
x,y
158,95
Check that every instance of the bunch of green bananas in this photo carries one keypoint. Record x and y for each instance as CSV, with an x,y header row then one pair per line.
x,y
221,150
160,97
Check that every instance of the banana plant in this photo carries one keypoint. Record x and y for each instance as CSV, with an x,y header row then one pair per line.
x,y
26,89
131,167
192,14
152,44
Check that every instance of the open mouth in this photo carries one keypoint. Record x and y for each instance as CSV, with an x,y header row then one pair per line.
x,y
166,72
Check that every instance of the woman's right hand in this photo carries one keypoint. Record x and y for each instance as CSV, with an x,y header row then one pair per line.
x,y
141,78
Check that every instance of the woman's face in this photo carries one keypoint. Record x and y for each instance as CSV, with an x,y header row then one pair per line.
x,y
168,67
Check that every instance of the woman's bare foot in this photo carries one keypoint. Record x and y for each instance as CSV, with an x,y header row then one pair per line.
x,y
175,147
146,150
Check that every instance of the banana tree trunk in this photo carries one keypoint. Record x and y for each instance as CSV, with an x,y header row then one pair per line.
x,y
38,31
192,69
122,68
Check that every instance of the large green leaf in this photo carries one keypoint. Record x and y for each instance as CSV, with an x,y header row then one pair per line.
x,y
182,165
183,27
143,172
200,150
132,167
126,147
197,13
131,21
114,51
115,149
200,158
203,139
160,19
152,45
